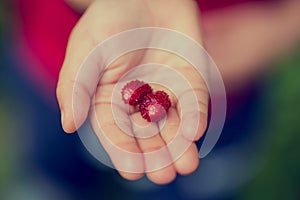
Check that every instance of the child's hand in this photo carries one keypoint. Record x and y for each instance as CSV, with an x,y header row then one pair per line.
x,y
103,19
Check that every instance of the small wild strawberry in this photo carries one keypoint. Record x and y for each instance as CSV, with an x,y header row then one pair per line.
x,y
133,91
153,107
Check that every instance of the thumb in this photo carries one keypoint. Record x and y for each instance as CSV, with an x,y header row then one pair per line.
x,y
74,103
74,94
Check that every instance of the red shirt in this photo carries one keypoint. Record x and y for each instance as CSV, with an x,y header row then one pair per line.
x,y
45,28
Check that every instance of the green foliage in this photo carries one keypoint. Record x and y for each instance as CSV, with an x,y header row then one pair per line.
x,y
280,176
8,156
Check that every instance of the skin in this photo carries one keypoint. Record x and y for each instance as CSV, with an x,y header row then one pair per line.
x,y
138,14
240,39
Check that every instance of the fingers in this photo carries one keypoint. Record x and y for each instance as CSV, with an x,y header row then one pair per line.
x,y
192,106
131,156
190,88
189,161
121,147
184,152
193,109
158,162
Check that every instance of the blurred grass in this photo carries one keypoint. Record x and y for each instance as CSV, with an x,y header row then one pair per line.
x,y
280,176
8,154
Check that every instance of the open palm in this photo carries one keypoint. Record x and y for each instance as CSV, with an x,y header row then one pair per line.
x,y
102,20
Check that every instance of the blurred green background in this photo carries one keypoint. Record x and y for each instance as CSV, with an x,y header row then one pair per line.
x,y
279,177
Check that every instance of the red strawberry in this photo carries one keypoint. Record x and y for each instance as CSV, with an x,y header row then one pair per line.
x,y
133,91
153,107
163,99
